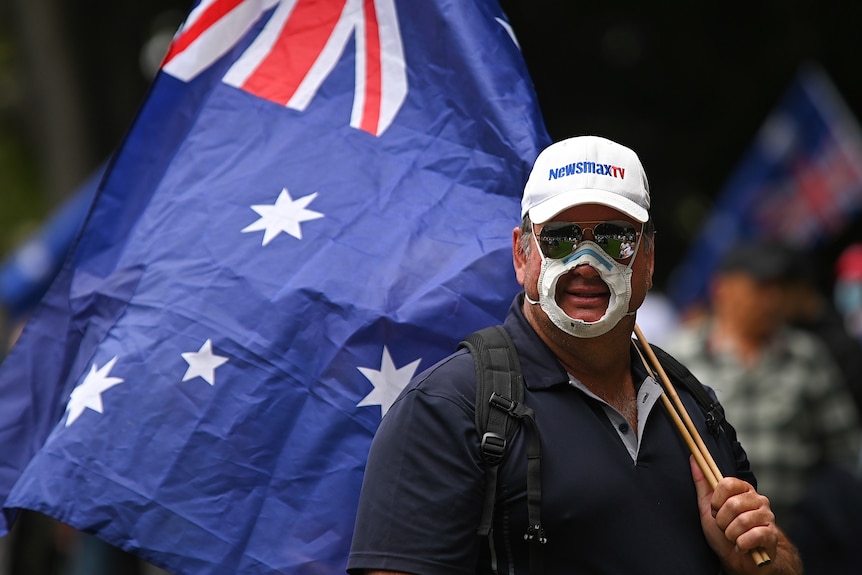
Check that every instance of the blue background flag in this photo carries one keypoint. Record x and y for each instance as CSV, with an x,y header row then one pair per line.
x,y
314,203
26,274
800,182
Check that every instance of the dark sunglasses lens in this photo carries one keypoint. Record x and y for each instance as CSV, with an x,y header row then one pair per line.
x,y
617,239
559,240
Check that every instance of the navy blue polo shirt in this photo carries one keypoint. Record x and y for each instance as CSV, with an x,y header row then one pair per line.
x,y
602,511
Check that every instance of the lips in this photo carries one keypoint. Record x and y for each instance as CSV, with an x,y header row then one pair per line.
x,y
586,301
592,292
585,297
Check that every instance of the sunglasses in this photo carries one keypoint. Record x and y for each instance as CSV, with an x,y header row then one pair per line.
x,y
559,239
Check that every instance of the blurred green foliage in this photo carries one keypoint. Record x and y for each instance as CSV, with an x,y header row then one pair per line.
x,y
22,207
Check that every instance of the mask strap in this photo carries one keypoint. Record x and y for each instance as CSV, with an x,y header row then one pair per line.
x,y
631,263
541,255
637,247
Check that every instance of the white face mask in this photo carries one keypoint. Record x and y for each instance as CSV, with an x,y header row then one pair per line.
x,y
617,277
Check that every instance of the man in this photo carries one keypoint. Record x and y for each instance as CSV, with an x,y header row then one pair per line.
x,y
619,493
788,400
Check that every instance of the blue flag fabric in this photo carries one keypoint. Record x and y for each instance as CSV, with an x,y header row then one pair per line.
x,y
800,182
314,203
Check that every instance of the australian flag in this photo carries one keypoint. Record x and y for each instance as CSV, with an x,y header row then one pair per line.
x,y
314,202
800,182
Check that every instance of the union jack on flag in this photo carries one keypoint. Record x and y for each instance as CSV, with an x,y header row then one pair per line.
x,y
314,203
289,60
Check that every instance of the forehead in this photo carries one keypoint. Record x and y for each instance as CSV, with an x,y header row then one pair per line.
x,y
589,213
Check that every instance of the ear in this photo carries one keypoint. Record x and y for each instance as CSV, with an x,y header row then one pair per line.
x,y
519,258
650,267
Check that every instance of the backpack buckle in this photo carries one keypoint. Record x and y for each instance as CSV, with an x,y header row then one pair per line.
x,y
503,403
714,418
493,447
536,533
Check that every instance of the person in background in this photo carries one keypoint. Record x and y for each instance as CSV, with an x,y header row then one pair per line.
x,y
809,308
828,517
848,289
780,385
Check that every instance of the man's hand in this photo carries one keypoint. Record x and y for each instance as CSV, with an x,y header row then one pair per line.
x,y
737,519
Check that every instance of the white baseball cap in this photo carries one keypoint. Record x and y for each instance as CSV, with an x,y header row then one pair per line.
x,y
586,170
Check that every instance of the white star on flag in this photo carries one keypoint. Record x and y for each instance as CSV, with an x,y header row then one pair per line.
x,y
203,363
89,393
284,215
388,382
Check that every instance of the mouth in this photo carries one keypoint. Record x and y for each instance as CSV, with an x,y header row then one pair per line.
x,y
584,298
586,295
582,294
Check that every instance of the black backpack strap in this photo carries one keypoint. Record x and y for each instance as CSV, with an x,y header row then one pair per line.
x,y
499,384
499,410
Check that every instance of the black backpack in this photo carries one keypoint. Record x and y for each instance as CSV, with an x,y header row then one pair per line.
x,y
500,409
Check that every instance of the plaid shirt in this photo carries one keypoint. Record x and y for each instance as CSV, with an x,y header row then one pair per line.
x,y
791,409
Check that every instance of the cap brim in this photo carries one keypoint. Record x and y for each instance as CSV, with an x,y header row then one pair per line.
x,y
546,210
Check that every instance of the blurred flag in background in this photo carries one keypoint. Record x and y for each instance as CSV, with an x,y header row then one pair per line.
x,y
26,273
800,182
314,203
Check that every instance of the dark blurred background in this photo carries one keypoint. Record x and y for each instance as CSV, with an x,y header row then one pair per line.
x,y
686,85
